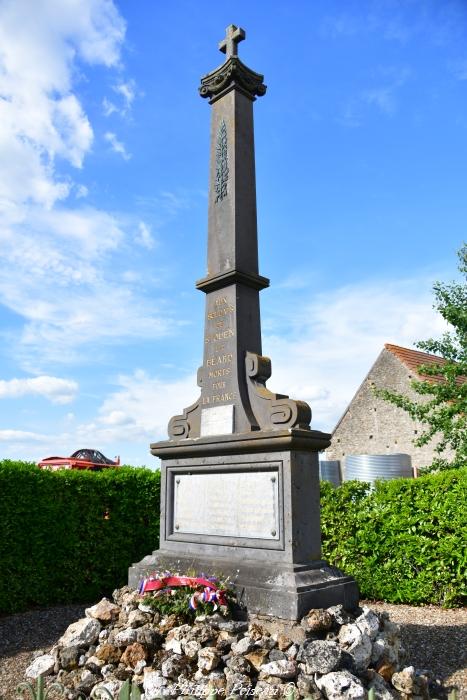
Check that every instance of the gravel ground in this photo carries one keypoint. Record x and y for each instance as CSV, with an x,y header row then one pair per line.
x,y
435,639
23,634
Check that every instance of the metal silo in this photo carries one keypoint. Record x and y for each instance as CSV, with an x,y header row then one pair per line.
x,y
372,467
330,470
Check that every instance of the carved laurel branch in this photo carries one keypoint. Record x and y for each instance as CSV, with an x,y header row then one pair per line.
x,y
222,162
233,70
272,411
187,424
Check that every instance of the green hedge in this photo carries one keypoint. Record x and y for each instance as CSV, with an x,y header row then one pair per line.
x,y
404,542
71,535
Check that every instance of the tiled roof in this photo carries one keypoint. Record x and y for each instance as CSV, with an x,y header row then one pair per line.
x,y
412,359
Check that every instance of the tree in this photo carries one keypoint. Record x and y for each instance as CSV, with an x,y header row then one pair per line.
x,y
442,409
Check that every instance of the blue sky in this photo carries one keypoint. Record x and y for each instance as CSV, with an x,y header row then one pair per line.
x,y
361,152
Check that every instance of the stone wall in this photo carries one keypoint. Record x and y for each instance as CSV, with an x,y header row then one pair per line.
x,y
373,426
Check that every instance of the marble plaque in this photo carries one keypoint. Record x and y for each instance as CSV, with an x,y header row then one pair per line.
x,y
217,420
231,504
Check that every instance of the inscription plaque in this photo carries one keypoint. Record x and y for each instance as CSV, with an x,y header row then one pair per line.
x,y
217,420
235,504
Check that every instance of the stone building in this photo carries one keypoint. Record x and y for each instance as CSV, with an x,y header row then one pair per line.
x,y
370,425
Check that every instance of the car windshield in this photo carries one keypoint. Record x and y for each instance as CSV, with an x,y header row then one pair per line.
x,y
93,456
83,454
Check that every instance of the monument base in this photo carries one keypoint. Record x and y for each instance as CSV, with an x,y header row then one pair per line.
x,y
283,591
247,507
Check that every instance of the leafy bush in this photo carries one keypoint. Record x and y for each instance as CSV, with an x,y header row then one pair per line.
x,y
404,542
71,535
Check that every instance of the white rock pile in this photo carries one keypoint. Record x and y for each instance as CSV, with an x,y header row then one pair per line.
x,y
329,654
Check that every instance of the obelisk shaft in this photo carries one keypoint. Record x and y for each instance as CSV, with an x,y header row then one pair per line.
x,y
232,321
232,228
234,399
232,284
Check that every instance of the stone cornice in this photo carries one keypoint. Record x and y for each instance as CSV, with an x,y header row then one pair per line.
x,y
232,74
256,441
224,279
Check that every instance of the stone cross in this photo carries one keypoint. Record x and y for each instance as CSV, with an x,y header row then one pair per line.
x,y
233,36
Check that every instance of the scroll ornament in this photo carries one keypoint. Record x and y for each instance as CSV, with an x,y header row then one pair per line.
x,y
272,411
187,425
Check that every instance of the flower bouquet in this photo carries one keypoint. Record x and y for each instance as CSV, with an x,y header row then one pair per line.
x,y
186,596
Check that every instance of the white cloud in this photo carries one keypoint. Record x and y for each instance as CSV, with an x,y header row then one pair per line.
x,y
397,20
127,93
332,343
55,268
384,97
145,405
58,330
74,128
170,203
131,276
144,237
128,420
351,114
340,25
40,117
18,438
391,26
87,231
56,275
108,107
42,120
115,418
321,357
321,354
116,145
60,391
81,191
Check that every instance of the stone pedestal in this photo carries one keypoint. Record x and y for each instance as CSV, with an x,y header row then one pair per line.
x,y
247,507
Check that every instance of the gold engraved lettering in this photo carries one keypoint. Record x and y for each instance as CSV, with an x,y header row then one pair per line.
x,y
224,372
223,311
216,398
219,360
220,300
218,385
221,335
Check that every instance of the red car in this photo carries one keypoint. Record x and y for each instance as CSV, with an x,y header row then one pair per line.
x,y
82,459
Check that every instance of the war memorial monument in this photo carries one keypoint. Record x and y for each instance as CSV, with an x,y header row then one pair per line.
x,y
240,477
